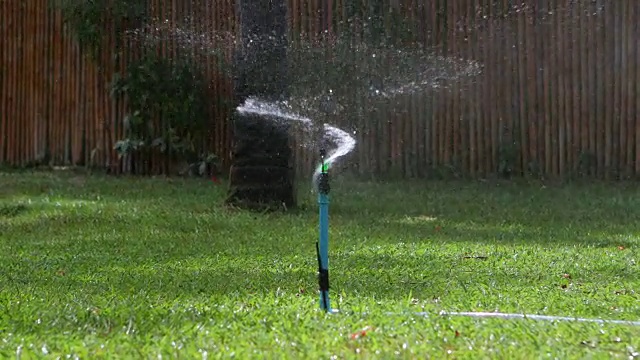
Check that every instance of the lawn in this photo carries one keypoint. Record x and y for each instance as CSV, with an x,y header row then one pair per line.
x,y
99,267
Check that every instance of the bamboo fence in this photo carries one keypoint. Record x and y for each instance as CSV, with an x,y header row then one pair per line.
x,y
558,94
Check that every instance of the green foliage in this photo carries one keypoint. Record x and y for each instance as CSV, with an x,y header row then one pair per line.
x,y
11,210
167,99
92,21
168,106
104,268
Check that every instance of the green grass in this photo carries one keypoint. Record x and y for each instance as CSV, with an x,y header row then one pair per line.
x,y
136,268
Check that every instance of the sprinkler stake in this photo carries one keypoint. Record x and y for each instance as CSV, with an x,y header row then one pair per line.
x,y
322,246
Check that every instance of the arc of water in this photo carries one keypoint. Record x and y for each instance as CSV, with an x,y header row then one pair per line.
x,y
345,143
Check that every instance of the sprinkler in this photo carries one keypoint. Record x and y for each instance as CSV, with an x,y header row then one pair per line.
x,y
322,246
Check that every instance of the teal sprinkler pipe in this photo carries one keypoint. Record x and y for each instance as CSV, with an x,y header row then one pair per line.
x,y
322,246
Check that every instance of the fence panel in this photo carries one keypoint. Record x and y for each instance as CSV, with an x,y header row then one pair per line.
x,y
557,94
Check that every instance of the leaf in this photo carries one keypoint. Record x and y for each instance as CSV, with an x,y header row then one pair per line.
x,y
360,334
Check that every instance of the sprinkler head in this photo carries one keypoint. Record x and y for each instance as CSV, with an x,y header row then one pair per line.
x,y
323,183
323,153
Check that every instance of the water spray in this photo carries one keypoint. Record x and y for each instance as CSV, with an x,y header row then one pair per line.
x,y
345,144
322,246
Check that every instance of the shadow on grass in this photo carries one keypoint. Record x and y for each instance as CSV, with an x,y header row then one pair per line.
x,y
172,242
373,274
12,210
570,233
75,186
591,215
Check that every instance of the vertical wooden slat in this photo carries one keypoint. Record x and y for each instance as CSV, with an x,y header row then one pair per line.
x,y
20,86
217,13
477,42
47,25
623,16
29,88
294,11
533,81
546,103
226,148
489,126
28,75
61,83
226,86
418,124
523,95
68,77
465,87
607,88
204,11
473,87
560,94
26,85
577,85
98,150
4,75
116,109
494,91
433,96
553,110
636,120
104,114
448,142
32,70
54,137
486,44
632,85
27,96
39,133
36,33
423,98
502,78
88,116
585,88
16,86
413,114
10,75
563,73
572,88
506,107
591,106
15,68
454,90
617,67
600,96
58,88
79,82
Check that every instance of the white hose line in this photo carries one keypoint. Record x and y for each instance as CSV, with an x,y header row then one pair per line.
x,y
510,316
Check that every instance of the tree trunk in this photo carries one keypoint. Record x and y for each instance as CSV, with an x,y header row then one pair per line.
x,y
261,172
